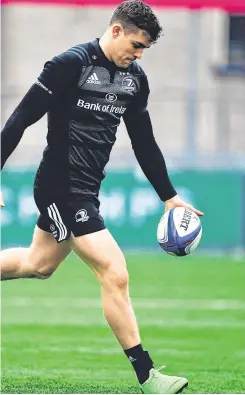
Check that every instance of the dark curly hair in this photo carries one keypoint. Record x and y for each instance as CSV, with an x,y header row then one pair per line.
x,y
136,13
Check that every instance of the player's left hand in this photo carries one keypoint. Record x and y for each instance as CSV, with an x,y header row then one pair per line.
x,y
177,202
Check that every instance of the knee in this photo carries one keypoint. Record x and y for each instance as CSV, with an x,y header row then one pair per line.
x,y
116,279
41,261
42,270
43,273
120,279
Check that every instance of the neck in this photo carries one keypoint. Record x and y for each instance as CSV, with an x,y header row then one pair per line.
x,y
105,46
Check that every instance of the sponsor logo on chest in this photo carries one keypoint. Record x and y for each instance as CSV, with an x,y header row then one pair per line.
x,y
126,86
108,108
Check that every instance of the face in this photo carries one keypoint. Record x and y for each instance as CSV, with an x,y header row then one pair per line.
x,y
128,46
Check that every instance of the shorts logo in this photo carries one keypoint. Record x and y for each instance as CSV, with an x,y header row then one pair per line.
x,y
53,230
111,97
128,84
81,215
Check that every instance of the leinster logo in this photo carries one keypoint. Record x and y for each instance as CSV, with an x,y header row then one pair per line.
x,y
128,84
81,215
111,97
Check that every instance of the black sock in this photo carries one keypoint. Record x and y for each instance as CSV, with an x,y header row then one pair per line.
x,y
141,362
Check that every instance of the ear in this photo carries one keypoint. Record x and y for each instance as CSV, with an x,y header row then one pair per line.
x,y
117,29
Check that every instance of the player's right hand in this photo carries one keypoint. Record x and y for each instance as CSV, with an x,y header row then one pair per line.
x,y
177,202
1,200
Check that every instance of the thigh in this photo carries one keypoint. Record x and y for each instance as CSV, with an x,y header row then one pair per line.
x,y
45,252
100,251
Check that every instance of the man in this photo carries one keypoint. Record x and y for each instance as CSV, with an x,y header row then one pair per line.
x,y
85,91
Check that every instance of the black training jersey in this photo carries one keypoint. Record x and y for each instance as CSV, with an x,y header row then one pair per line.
x,y
82,122
85,96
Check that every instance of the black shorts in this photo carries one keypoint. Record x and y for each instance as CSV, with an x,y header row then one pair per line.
x,y
61,218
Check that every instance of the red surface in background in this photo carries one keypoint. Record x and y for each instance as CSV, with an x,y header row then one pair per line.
x,y
235,6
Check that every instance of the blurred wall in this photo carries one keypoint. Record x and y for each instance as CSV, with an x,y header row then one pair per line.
x,y
33,34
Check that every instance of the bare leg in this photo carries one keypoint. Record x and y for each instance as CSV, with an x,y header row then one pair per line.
x,y
38,261
100,251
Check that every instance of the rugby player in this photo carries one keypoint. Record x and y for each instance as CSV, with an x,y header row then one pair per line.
x,y
86,91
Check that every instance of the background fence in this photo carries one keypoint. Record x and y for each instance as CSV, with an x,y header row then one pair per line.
x,y
132,209
197,106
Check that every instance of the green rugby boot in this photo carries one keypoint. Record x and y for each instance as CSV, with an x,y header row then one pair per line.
x,y
159,383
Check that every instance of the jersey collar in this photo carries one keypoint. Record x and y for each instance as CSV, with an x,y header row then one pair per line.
x,y
103,59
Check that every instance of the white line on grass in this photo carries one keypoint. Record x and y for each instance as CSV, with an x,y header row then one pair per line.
x,y
57,372
165,304
99,321
97,351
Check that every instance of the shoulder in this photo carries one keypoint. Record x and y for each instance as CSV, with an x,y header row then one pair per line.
x,y
135,68
78,55
80,51
65,67
138,72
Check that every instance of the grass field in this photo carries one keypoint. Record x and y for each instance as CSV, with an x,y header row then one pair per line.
x,y
190,310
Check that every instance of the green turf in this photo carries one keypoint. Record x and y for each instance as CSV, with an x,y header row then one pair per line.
x,y
190,311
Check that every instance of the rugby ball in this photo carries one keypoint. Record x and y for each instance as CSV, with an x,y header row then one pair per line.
x,y
179,231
